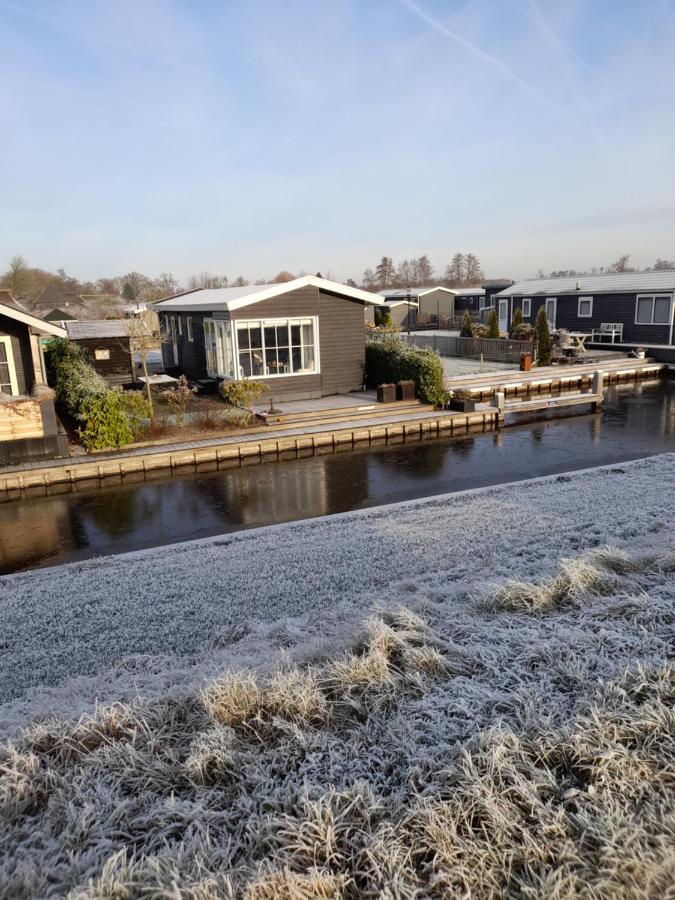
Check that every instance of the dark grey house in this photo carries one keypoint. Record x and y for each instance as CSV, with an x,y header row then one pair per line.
x,y
476,299
304,338
626,309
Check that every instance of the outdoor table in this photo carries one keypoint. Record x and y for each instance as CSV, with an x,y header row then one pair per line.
x,y
577,345
155,381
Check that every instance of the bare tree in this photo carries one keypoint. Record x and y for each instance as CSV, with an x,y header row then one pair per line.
x,y
404,273
425,271
206,281
240,281
142,341
456,271
283,277
474,273
621,265
17,277
369,280
663,265
385,272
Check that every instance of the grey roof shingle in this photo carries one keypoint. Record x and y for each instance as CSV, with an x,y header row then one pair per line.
x,y
103,328
619,282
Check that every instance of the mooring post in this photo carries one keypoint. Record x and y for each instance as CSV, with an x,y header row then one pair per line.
x,y
498,402
597,388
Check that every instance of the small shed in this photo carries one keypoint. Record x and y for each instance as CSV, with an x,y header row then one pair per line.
x,y
108,347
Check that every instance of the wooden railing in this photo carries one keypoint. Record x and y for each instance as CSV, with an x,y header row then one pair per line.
x,y
495,349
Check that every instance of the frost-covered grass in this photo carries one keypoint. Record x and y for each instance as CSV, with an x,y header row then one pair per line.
x,y
468,696
418,760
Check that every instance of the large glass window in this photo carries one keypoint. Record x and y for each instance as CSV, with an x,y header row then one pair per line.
x,y
8,382
276,347
653,310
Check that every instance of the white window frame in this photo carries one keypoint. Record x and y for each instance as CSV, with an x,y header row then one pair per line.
x,y
654,298
190,333
588,315
526,315
288,320
13,380
179,317
554,301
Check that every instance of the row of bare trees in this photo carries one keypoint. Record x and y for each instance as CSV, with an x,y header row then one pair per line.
x,y
462,270
622,264
27,282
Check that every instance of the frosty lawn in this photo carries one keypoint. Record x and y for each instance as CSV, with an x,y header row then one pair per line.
x,y
519,742
176,614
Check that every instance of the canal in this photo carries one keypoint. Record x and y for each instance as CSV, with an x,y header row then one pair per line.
x,y
636,420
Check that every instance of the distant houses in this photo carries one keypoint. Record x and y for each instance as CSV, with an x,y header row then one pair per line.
x,y
632,308
432,302
304,338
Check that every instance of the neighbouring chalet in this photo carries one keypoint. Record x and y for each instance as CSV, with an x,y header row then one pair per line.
x,y
433,303
28,425
626,309
403,313
304,338
476,299
107,346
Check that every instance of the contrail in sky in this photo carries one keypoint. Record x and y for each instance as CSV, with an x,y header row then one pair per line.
x,y
487,57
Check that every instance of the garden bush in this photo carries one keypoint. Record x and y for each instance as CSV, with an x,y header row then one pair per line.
x,y
86,398
493,325
516,322
543,337
390,360
137,409
467,325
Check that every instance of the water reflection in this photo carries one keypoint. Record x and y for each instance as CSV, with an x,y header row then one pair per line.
x,y
635,421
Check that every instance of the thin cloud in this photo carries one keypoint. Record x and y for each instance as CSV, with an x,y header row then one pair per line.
x,y
112,42
472,48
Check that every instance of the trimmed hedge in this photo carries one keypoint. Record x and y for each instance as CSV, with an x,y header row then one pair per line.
x,y
390,360
86,398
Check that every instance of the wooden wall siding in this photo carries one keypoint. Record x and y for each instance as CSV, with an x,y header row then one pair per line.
x,y
116,370
342,342
23,360
301,302
20,420
606,308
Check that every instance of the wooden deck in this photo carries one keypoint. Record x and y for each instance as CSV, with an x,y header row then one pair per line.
x,y
551,378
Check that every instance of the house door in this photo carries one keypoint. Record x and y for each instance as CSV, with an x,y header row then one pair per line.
x,y
174,340
503,315
551,309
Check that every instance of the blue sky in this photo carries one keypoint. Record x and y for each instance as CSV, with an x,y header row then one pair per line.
x,y
249,136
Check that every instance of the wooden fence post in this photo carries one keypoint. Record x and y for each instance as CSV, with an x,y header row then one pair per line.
x,y
597,388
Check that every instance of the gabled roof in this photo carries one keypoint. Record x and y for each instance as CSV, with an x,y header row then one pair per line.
x,y
97,328
615,283
402,302
207,299
38,326
416,292
57,315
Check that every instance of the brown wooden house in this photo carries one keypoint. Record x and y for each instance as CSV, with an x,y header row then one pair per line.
x,y
304,338
29,428
106,343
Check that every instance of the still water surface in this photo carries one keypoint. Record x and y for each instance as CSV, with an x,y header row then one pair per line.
x,y
635,421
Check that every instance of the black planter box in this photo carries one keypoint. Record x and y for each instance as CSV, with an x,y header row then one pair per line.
x,y
386,393
405,390
463,405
